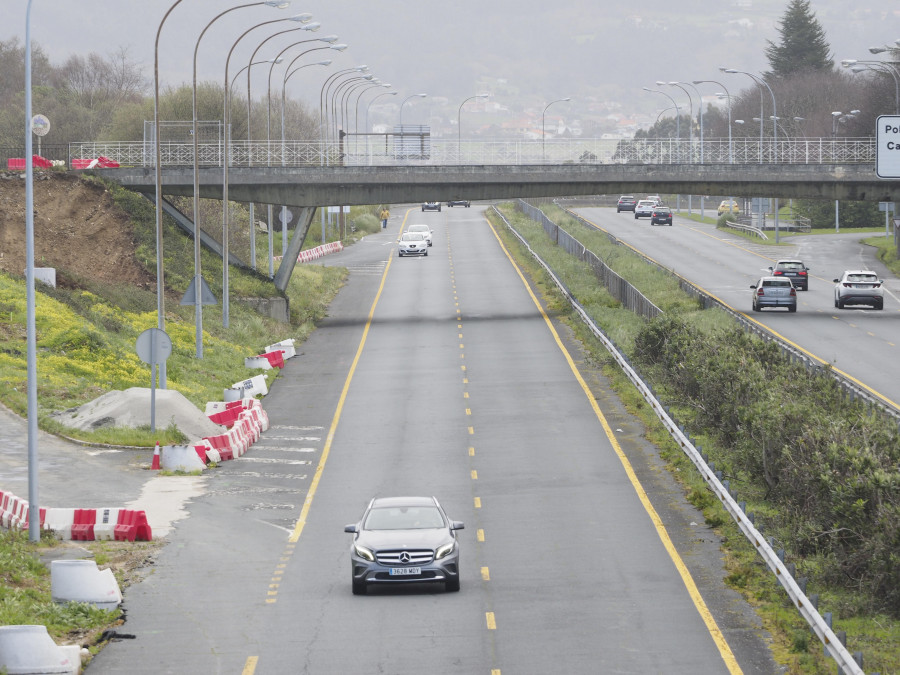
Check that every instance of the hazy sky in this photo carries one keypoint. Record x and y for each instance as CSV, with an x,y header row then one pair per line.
x,y
546,50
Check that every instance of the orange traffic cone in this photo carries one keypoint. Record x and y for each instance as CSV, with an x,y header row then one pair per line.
x,y
155,465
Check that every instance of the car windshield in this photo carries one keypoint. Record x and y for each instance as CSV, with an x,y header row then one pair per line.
x,y
870,278
413,236
418,228
790,266
404,518
777,282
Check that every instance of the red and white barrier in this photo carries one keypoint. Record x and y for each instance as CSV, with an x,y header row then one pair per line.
x,y
315,253
285,346
77,524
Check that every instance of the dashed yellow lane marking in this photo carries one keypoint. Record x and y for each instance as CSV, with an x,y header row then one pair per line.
x,y
477,502
479,535
491,621
471,430
474,474
485,574
688,581
468,411
250,665
471,452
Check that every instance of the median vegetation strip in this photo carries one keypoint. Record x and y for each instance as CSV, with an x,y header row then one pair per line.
x,y
818,471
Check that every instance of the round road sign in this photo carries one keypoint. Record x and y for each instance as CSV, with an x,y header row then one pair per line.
x,y
40,125
153,346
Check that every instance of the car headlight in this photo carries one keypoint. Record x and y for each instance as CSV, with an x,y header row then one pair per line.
x,y
445,550
363,552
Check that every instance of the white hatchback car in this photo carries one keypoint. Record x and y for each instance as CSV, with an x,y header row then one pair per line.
x,y
422,229
644,208
412,243
859,287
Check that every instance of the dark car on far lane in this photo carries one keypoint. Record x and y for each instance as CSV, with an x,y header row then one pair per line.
x,y
794,270
626,203
662,215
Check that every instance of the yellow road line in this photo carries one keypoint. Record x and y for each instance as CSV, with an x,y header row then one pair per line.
x,y
686,578
326,450
250,665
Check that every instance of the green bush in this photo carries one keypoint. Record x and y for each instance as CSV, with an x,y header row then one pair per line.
x,y
368,223
829,464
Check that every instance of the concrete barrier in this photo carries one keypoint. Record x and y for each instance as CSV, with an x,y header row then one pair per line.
x,y
180,458
30,649
82,581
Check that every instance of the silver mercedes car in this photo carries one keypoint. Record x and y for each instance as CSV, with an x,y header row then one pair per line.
x,y
404,540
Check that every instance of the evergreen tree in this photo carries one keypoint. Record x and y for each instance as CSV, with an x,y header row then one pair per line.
x,y
803,46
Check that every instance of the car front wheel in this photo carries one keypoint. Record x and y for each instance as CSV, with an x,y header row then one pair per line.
x,y
452,585
359,587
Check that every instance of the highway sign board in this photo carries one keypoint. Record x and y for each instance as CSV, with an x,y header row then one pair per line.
x,y
887,146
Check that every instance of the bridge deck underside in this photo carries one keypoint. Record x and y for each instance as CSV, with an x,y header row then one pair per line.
x,y
320,186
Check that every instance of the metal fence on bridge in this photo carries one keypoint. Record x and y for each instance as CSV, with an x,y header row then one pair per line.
x,y
365,151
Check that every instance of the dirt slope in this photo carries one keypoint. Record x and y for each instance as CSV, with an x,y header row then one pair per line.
x,y
77,229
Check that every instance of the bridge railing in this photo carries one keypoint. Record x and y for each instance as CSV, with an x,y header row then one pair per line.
x,y
366,151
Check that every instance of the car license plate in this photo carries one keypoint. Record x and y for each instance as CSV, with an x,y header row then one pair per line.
x,y
405,571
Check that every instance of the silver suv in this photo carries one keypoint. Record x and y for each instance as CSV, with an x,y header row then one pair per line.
x,y
858,287
404,540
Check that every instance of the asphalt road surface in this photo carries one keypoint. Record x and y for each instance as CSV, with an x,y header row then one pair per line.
x,y
858,341
441,376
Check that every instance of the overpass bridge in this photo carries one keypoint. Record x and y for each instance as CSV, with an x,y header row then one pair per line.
x,y
313,174
308,174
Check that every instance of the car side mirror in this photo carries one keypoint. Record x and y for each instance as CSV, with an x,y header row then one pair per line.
x,y
752,285
771,269
457,525
351,528
837,281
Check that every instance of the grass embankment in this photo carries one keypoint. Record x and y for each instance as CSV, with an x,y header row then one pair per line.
x,y
818,471
86,336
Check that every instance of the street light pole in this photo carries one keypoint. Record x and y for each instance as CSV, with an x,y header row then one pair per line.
x,y
761,81
728,103
250,151
690,114
408,98
459,128
226,116
543,117
677,127
34,510
386,93
160,281
880,66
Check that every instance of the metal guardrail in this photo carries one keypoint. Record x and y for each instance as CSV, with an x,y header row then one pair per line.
x,y
746,228
630,297
820,625
369,152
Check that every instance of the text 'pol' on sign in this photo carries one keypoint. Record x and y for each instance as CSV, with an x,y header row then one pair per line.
x,y
887,146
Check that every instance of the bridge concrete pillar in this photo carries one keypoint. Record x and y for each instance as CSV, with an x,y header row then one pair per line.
x,y
298,236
